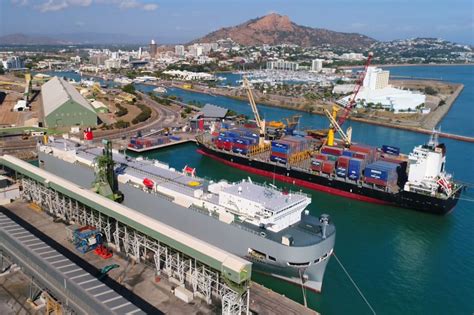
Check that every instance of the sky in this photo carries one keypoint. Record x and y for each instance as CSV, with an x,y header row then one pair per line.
x,y
178,21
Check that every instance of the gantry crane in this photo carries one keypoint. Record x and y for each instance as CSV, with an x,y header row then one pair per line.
x,y
260,123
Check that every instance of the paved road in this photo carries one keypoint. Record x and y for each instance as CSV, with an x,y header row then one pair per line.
x,y
167,117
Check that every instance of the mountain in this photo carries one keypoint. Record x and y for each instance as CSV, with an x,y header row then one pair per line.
x,y
274,29
23,39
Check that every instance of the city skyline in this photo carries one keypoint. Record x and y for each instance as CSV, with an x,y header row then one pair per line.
x,y
182,21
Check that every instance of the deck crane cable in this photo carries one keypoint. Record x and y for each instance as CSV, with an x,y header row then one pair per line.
x,y
355,285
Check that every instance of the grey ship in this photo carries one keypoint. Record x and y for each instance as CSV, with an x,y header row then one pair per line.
x,y
269,227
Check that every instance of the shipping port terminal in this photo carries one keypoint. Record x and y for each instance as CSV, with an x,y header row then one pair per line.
x,y
151,270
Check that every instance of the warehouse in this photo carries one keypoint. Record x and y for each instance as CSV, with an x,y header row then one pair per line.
x,y
64,106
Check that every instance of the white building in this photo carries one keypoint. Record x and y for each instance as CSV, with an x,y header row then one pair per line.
x,y
317,65
376,78
179,50
189,75
112,64
282,65
377,93
352,56
12,63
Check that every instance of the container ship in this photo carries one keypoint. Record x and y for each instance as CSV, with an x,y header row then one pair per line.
x,y
267,226
379,175
317,160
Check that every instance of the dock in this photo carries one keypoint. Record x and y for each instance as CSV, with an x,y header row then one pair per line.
x,y
154,260
160,146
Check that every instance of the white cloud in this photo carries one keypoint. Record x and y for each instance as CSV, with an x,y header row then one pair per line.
x,y
57,5
150,7
20,3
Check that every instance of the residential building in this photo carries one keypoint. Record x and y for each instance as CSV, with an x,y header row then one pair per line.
x,y
64,106
282,65
98,59
317,65
352,56
179,50
113,64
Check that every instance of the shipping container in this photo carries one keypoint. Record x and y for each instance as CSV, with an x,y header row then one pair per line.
x,y
390,149
343,162
348,153
321,156
341,172
278,159
355,168
240,150
332,150
328,167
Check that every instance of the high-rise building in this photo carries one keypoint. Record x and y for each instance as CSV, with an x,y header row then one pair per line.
x,y
179,50
317,65
140,53
13,62
153,48
376,78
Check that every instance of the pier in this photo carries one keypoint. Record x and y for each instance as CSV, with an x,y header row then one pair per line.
x,y
160,146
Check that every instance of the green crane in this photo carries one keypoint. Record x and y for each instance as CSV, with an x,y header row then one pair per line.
x,y
105,182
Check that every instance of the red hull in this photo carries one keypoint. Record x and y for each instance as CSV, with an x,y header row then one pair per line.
x,y
295,181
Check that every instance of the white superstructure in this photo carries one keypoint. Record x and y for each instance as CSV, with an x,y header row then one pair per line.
x,y
260,205
426,172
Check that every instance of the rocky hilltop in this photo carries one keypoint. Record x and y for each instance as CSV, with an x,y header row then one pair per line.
x,y
275,29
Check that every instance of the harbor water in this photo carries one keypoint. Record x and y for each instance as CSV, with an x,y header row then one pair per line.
x,y
403,261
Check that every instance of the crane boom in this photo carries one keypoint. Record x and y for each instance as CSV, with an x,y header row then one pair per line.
x,y
260,123
352,102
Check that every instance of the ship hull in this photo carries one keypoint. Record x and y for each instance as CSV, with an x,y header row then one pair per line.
x,y
347,189
225,236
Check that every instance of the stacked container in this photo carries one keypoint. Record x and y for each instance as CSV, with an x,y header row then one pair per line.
x,y
363,151
147,142
381,173
283,149
342,166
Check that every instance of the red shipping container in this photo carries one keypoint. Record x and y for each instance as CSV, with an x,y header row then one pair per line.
x,y
363,148
279,154
360,155
316,167
375,181
343,161
332,150
328,167
320,156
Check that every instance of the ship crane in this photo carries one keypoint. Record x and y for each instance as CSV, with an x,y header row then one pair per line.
x,y
349,106
260,123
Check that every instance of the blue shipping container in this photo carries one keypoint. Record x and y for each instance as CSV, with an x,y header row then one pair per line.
x,y
278,159
391,149
348,153
239,150
341,172
355,167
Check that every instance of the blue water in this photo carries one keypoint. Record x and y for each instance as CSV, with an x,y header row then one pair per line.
x,y
403,261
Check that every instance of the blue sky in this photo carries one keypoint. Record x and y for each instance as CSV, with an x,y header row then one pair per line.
x,y
180,21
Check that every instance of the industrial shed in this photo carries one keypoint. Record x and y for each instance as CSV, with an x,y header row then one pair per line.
x,y
64,106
